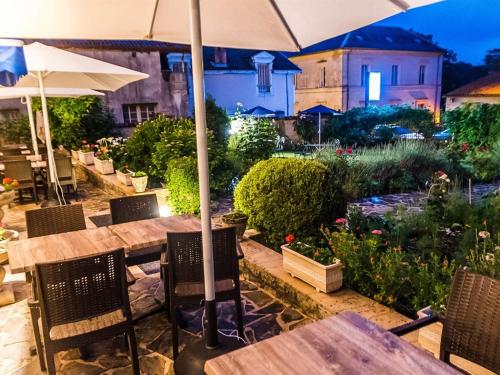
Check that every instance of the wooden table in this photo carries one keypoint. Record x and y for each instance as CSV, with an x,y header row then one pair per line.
x,y
23,254
343,344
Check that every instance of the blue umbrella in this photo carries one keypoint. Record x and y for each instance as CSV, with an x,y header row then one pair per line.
x,y
12,62
259,112
320,110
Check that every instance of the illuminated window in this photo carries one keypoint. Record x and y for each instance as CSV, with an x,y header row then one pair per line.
x,y
364,73
421,75
394,76
322,77
136,113
264,78
374,86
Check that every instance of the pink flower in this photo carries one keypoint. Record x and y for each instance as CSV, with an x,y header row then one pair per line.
x,y
348,150
377,232
341,221
484,234
339,151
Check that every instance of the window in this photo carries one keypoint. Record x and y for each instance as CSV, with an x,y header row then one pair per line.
x,y
178,67
136,113
394,76
322,77
264,78
364,74
421,75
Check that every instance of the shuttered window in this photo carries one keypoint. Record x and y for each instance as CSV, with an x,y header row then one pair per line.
x,y
264,78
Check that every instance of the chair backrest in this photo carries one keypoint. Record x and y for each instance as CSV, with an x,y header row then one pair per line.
x,y
133,208
78,289
10,151
64,167
13,157
471,326
52,220
19,170
185,254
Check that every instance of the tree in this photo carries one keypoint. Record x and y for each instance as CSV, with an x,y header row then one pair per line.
x,y
492,59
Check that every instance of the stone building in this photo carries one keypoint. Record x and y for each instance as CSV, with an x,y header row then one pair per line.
x,y
406,69
165,91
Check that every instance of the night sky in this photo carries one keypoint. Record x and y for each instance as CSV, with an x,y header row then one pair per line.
x,y
469,27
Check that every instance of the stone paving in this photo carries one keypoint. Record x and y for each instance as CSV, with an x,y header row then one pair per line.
x,y
265,316
413,201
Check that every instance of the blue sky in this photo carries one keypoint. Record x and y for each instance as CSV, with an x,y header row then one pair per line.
x,y
469,27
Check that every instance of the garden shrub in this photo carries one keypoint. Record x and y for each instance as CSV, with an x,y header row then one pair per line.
x,y
282,196
16,130
306,129
182,183
217,121
255,141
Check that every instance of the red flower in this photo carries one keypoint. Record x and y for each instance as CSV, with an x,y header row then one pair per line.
x,y
339,151
341,221
465,147
348,150
483,149
440,173
7,180
377,232
289,238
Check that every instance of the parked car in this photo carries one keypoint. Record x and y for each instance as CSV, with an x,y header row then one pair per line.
x,y
442,135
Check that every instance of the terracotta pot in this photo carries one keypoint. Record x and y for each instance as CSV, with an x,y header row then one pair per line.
x,y
324,278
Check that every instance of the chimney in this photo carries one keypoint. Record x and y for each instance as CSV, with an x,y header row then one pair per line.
x,y
220,56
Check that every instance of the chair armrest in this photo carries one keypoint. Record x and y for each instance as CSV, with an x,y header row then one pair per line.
x,y
239,251
130,277
163,259
414,325
32,302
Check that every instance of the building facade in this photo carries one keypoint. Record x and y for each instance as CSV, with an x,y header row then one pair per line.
x,y
483,90
165,91
387,65
243,79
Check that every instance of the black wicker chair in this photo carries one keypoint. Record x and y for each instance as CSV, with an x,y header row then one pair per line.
x,y
134,208
184,279
83,301
471,326
52,220
21,171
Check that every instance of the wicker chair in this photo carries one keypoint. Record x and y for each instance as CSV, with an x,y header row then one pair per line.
x,y
184,279
66,172
21,171
13,157
83,301
52,220
134,208
10,151
471,326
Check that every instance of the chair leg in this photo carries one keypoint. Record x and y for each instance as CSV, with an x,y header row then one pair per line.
x,y
51,364
20,192
34,194
35,314
164,274
175,333
134,356
239,315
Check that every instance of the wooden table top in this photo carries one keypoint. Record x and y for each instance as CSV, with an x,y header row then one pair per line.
x,y
343,344
23,254
153,232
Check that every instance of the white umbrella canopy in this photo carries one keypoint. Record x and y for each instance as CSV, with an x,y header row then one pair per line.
x,y
254,24
27,93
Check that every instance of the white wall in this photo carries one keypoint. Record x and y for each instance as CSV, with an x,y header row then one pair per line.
x,y
228,89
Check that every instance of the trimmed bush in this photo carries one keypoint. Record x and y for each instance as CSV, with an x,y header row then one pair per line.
x,y
282,196
182,184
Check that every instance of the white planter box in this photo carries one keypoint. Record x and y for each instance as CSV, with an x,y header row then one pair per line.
x,y
140,183
74,154
86,158
124,178
104,166
324,278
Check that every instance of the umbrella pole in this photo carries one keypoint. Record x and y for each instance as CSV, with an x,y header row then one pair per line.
x,y
203,173
34,141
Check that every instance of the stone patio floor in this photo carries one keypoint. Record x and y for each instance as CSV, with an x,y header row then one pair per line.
x,y
265,316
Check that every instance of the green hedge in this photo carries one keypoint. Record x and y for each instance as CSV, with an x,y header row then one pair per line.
x,y
182,184
282,196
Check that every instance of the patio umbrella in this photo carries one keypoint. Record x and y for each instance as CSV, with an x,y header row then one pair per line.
x,y
320,110
259,112
12,64
285,25
52,67
26,93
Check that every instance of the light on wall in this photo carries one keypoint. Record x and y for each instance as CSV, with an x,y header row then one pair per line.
x,y
374,86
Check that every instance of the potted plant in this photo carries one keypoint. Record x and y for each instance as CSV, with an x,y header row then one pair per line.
x,y
124,175
139,181
237,219
103,163
314,265
86,154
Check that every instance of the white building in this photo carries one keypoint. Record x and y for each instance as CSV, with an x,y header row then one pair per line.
x,y
482,90
335,71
